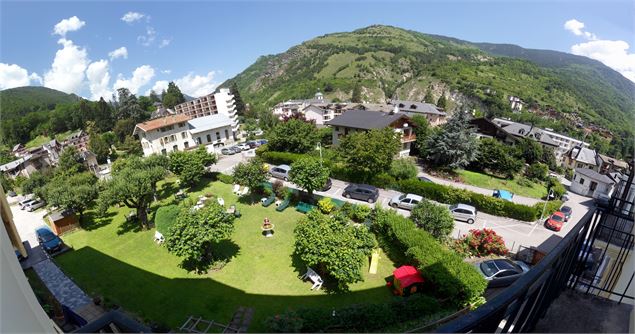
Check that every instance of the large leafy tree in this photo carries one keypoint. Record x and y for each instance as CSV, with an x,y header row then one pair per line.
x,y
454,146
70,162
356,96
428,98
422,131
309,174
196,233
497,158
442,102
35,184
293,136
433,218
72,192
99,146
124,128
251,174
238,100
528,150
173,96
133,184
333,247
190,165
367,154
128,106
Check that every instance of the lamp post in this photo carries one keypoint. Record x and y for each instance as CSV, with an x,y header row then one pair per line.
x,y
319,148
549,195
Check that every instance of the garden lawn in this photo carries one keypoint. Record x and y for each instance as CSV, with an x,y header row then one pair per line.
x,y
536,190
116,260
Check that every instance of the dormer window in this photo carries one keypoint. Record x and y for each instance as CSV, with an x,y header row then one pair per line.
x,y
401,105
413,106
521,131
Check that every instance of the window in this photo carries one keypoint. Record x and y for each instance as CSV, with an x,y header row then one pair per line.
x,y
183,135
175,148
186,144
226,133
199,141
337,128
581,181
593,186
209,138
217,135
164,152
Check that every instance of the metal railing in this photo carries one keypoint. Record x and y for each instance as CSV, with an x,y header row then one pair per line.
x,y
526,301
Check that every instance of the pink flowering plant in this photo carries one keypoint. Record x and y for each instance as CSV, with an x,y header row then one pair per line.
x,y
482,243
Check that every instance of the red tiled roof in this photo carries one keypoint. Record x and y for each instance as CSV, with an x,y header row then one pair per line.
x,y
163,121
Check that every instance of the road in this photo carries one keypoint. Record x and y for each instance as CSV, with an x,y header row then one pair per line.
x,y
26,222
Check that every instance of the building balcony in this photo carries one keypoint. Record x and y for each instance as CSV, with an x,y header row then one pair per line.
x,y
408,138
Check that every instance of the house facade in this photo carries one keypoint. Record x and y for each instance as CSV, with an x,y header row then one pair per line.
x,y
587,182
435,115
320,113
164,135
516,104
290,107
221,103
580,157
214,131
364,120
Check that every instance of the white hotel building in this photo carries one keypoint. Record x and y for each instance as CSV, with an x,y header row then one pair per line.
x,y
221,103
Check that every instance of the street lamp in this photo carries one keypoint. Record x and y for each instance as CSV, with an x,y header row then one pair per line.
x,y
549,196
319,147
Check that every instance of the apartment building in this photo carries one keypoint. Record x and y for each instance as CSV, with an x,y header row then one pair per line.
x,y
290,107
221,103
164,135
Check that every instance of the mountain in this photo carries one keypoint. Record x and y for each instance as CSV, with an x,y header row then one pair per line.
x,y
17,102
569,92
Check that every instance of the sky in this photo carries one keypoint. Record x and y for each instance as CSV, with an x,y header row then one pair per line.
x,y
91,48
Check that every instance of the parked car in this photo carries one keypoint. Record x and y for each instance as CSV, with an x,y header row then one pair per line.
x,y
11,193
424,179
362,192
262,141
244,146
236,149
280,172
501,272
227,151
464,212
405,201
565,197
34,205
555,221
567,212
503,194
48,240
252,144
25,202
327,185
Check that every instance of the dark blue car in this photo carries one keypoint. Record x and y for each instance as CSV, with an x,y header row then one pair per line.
x,y
48,240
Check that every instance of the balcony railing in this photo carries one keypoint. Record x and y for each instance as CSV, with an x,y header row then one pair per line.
x,y
519,307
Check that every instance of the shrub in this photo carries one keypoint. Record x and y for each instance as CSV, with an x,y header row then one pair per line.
x,y
166,217
403,168
483,242
356,213
445,270
279,189
383,180
537,171
224,178
553,185
434,219
326,205
523,181
280,158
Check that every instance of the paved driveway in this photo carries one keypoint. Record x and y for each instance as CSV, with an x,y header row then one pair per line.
x,y
226,163
26,223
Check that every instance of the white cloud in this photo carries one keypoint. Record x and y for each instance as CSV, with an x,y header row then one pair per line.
x,y
99,80
67,71
148,38
197,85
158,87
12,75
69,24
122,52
166,71
131,17
164,43
140,77
612,53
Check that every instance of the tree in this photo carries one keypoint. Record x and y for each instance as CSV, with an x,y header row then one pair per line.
x,y
403,168
173,96
131,146
428,98
528,150
422,131
433,218
70,162
197,232
104,118
537,171
549,158
73,192
454,146
357,94
497,158
333,247
238,100
124,128
293,136
128,106
35,184
442,102
251,174
133,184
190,165
154,97
309,174
99,146
367,154
250,127
146,103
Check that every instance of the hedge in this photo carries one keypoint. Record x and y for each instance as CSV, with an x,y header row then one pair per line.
x,y
354,318
278,158
484,203
166,217
449,275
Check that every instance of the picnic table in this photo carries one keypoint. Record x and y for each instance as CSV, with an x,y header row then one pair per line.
x,y
314,277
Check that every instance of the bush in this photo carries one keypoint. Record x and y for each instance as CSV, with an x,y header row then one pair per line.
x,y
482,243
356,213
537,171
166,217
403,168
383,180
553,185
224,178
444,269
434,219
326,205
280,158
354,318
279,189
484,203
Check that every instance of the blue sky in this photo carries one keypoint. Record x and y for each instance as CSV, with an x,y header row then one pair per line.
x,y
200,44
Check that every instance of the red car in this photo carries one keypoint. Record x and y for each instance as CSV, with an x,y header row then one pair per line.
x,y
555,222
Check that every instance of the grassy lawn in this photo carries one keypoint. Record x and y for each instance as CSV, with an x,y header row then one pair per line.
x,y
37,141
123,264
536,190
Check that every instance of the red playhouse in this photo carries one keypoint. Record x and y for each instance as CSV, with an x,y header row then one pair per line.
x,y
407,280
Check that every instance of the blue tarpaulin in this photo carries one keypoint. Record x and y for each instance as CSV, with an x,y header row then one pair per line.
x,y
503,194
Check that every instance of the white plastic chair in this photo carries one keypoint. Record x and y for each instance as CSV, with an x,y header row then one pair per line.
x,y
236,189
221,201
245,191
158,237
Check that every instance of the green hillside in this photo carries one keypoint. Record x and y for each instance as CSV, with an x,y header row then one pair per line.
x,y
17,102
387,61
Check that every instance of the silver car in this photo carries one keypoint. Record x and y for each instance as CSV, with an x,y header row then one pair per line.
x,y
32,206
405,201
280,172
26,202
501,272
464,212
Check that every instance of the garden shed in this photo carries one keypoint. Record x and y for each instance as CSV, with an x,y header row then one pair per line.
x,y
407,281
63,221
